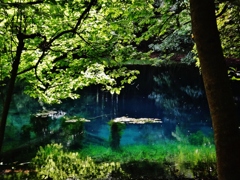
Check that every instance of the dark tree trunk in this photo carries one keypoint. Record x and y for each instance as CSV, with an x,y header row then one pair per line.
x,y
217,87
9,94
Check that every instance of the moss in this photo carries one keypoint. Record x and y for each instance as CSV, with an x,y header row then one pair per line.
x,y
116,129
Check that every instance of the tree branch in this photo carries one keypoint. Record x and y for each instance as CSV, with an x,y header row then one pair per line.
x,y
73,30
61,57
31,36
36,66
88,43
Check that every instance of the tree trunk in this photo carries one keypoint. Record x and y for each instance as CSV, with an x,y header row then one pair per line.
x,y
11,84
217,87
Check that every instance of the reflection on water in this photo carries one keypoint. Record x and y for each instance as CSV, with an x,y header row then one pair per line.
x,y
174,95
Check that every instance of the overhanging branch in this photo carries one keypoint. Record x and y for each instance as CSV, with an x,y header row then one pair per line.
x,y
73,30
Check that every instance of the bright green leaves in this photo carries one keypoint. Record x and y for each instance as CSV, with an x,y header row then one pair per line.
x,y
76,47
68,47
52,162
229,27
167,27
121,77
54,87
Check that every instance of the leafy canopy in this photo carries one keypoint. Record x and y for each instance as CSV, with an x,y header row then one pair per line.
x,y
68,45
72,44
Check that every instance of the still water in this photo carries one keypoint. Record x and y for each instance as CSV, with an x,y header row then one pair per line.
x,y
175,95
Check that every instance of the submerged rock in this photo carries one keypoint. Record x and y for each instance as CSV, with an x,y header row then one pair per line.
x,y
128,120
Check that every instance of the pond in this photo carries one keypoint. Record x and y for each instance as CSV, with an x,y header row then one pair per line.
x,y
174,95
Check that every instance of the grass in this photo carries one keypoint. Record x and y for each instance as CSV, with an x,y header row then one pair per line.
x,y
166,160
170,151
170,158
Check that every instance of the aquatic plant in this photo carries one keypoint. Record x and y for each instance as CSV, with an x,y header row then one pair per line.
x,y
179,135
40,124
194,92
165,160
197,138
73,130
116,129
26,132
117,125
188,159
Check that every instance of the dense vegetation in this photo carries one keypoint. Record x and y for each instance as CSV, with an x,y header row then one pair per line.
x,y
56,48
190,157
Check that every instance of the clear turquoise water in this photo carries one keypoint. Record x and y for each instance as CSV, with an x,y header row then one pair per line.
x,y
167,94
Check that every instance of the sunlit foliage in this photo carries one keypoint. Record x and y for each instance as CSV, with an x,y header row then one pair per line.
x,y
68,45
229,27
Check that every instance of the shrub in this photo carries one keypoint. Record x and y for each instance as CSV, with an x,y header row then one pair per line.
x,y
52,162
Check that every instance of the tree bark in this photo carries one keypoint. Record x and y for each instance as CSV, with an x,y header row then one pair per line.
x,y
217,87
11,84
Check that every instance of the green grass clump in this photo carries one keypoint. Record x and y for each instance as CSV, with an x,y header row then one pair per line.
x,y
170,151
